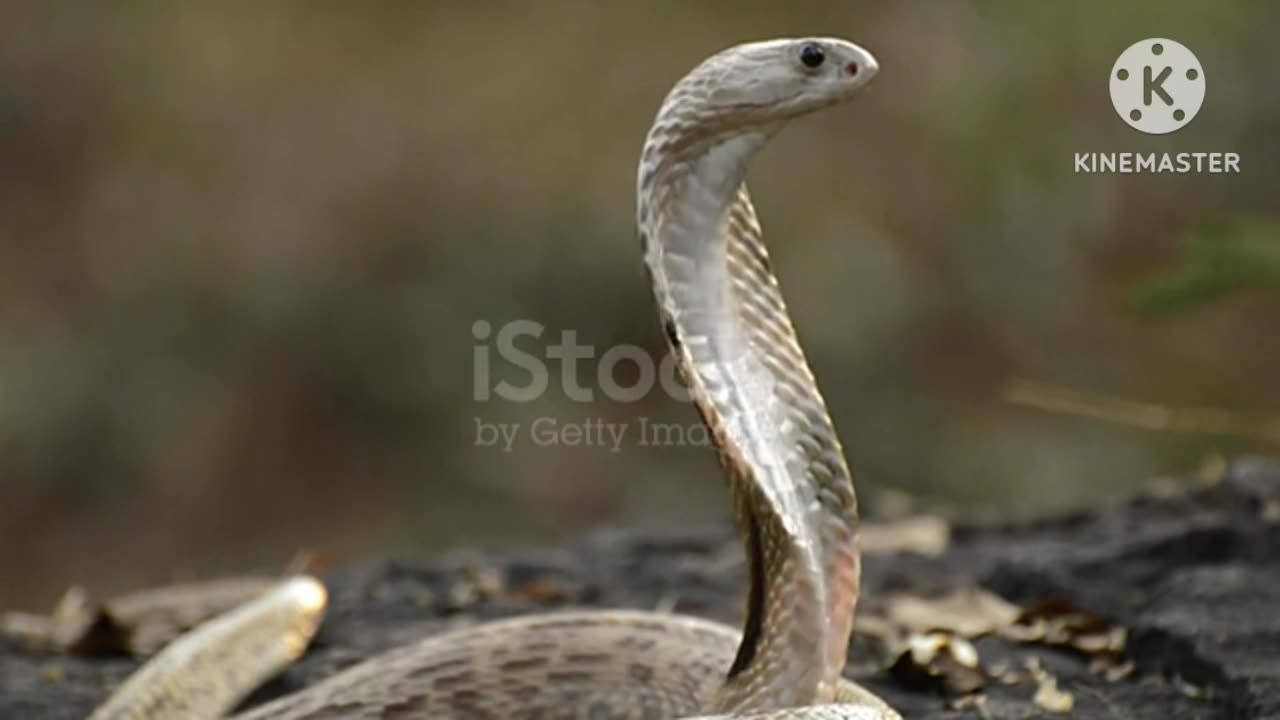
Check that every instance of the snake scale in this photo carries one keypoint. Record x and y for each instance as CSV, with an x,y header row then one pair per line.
x,y
792,493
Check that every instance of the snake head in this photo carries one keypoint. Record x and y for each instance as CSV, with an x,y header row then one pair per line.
x,y
772,81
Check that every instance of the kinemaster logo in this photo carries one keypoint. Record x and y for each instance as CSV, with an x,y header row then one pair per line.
x,y
1157,87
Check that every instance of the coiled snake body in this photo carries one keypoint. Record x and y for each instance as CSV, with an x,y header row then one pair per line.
x,y
792,493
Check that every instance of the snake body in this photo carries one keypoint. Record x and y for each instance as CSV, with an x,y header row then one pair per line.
x,y
205,673
792,492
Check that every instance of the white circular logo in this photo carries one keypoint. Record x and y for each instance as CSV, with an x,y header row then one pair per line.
x,y
1157,85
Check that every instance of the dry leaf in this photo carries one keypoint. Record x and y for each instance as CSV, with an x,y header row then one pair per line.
x,y
477,583
34,632
489,581
941,662
1112,640
922,534
543,590
74,619
976,702
1195,692
1113,668
149,619
1004,673
462,594
969,612
139,623
1059,622
1048,696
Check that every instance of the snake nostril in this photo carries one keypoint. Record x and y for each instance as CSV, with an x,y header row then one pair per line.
x,y
851,69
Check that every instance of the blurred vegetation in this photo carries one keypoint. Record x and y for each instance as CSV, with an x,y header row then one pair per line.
x,y
1225,256
243,248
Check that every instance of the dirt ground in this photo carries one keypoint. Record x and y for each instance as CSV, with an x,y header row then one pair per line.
x,y
1188,580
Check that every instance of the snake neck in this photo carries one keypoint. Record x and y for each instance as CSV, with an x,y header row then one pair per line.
x,y
732,337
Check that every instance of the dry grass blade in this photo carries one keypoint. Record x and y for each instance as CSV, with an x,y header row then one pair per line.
x,y
1139,414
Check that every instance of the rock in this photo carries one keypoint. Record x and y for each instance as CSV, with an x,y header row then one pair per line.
x,y
1191,576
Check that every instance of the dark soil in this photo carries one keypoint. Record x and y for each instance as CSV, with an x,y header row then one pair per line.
x,y
1192,575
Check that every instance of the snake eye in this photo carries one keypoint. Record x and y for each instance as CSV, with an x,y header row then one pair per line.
x,y
812,55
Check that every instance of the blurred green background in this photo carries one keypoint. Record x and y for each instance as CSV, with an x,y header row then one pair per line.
x,y
243,247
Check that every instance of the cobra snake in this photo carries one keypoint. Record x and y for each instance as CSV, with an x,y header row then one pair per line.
x,y
792,493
